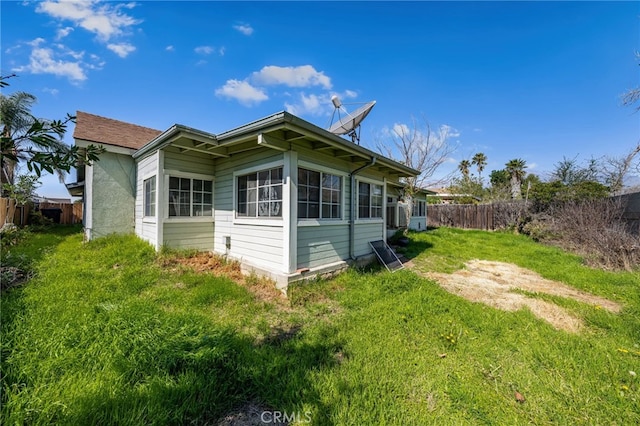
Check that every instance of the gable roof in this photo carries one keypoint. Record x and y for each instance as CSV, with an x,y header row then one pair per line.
x,y
102,130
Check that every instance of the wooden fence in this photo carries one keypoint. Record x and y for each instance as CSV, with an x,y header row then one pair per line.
x,y
504,214
474,216
69,213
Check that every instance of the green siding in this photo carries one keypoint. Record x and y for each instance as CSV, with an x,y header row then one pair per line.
x,y
320,245
188,161
195,235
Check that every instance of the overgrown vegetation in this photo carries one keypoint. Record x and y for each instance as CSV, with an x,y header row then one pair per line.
x,y
573,208
108,332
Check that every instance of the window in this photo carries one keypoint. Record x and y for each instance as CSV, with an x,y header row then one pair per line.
x,y
319,195
419,208
150,196
190,197
260,194
369,200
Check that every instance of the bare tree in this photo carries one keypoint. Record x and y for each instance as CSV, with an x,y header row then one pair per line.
x,y
632,96
421,148
615,169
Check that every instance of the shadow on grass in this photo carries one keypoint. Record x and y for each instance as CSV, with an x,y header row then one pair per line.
x,y
200,379
415,247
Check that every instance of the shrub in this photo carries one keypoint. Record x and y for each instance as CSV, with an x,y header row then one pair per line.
x,y
596,229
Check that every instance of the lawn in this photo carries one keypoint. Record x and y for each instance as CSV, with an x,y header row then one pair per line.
x,y
109,332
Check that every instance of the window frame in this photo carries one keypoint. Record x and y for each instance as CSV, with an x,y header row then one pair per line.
x,y
150,198
167,200
259,220
382,198
417,203
344,178
321,191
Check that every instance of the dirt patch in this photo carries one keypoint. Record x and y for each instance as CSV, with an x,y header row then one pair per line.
x,y
252,413
495,284
263,289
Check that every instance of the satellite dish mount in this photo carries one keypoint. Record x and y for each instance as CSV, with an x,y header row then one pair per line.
x,y
348,123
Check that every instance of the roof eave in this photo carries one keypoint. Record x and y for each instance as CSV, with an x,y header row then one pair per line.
x,y
171,134
289,121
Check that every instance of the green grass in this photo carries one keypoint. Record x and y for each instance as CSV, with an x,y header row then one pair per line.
x,y
105,335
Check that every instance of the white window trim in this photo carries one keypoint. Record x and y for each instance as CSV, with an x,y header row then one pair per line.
x,y
343,178
261,221
417,200
187,175
145,218
322,222
384,203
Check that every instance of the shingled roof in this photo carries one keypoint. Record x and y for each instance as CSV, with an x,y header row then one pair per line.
x,y
102,130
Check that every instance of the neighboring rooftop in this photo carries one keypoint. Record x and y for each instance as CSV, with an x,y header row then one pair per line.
x,y
102,130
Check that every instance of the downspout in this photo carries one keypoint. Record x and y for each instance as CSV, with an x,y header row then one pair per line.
x,y
352,216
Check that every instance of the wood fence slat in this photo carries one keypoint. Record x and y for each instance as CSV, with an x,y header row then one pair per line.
x,y
469,216
71,213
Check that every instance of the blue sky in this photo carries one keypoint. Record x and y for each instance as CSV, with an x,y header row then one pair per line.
x,y
538,81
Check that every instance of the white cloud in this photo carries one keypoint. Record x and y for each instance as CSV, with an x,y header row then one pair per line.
x,y
317,105
53,92
170,48
106,20
242,91
47,61
221,51
301,76
121,49
245,29
311,104
437,136
349,94
63,32
204,50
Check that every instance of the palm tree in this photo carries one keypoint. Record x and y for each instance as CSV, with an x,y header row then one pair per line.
x,y
464,168
480,161
15,118
515,168
38,142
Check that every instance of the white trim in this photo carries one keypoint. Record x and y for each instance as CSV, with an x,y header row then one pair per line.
x,y
189,219
322,169
88,201
161,183
261,167
382,183
145,218
384,209
149,219
260,221
290,212
322,222
179,173
186,175
275,222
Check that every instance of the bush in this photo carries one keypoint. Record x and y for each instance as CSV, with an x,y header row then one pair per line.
x,y
39,221
11,235
596,229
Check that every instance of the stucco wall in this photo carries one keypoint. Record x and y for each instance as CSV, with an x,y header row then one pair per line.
x,y
113,198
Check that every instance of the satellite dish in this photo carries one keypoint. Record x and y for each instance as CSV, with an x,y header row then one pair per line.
x,y
349,123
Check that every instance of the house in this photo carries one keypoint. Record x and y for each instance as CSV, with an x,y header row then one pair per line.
x,y
445,196
288,199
